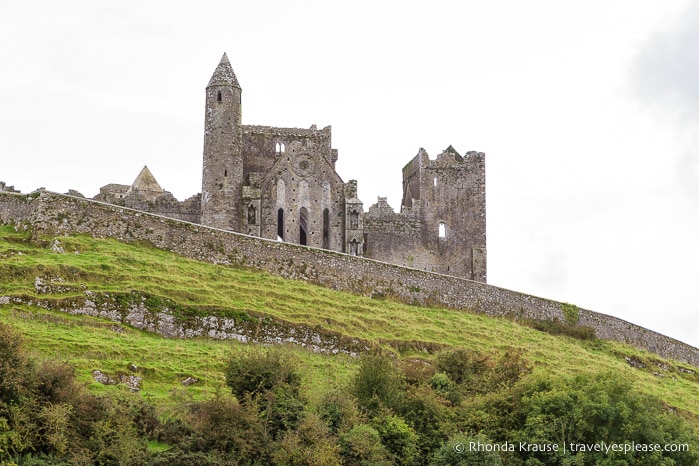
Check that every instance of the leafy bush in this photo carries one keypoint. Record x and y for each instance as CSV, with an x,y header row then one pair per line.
x,y
398,438
376,383
462,365
15,368
362,446
339,410
310,444
224,426
256,373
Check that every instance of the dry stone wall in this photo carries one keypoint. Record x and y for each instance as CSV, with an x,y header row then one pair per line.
x,y
57,214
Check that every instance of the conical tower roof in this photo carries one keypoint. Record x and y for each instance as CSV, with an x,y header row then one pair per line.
x,y
145,181
224,75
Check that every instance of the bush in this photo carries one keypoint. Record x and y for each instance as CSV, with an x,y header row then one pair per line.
x,y
461,365
362,446
310,444
16,371
428,415
339,410
280,410
376,383
588,409
221,425
398,437
256,373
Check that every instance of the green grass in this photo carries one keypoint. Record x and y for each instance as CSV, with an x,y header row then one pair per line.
x,y
103,265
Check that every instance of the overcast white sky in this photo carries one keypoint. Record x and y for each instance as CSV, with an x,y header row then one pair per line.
x,y
588,113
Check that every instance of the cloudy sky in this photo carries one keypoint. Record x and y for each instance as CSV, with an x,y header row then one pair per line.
x,y
588,113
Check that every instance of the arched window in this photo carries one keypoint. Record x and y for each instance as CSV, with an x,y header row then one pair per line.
x,y
219,97
442,230
326,229
303,226
280,224
281,193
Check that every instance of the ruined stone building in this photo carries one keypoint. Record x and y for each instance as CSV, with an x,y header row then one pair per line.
x,y
281,184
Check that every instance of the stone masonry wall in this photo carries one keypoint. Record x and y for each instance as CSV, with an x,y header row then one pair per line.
x,y
57,214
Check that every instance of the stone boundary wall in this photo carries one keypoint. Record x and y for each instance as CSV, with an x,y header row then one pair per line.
x,y
58,214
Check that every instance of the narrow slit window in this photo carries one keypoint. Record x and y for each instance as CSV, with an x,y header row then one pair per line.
x,y
326,229
442,230
225,173
219,97
280,225
303,226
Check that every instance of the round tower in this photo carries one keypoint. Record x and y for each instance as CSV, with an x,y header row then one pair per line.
x,y
222,175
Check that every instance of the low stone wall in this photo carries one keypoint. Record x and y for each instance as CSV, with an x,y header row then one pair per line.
x,y
57,214
244,327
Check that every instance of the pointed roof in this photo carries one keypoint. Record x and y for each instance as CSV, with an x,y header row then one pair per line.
x,y
224,75
452,151
145,181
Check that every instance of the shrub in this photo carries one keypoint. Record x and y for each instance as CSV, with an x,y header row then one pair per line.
x,y
362,446
221,425
587,409
56,382
339,410
428,415
461,365
376,383
16,371
508,370
310,444
280,410
571,313
256,373
398,438
441,382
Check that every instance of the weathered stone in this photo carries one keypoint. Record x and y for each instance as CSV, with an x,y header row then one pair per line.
x,y
56,247
102,378
132,382
189,381
281,183
57,214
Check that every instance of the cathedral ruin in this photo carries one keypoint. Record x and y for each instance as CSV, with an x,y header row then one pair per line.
x,y
281,184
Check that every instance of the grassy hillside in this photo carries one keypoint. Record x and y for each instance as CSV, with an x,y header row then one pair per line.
x,y
113,267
